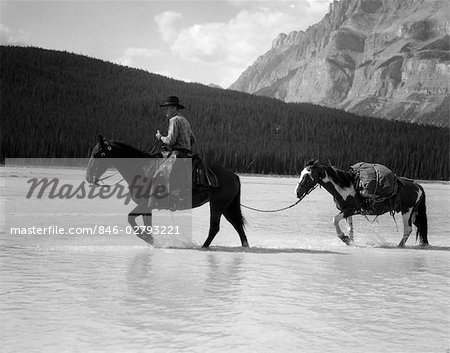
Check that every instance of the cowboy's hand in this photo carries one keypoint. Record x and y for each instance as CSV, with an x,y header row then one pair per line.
x,y
158,135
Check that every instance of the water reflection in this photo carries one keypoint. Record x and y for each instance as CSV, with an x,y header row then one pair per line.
x,y
224,276
151,273
299,286
177,292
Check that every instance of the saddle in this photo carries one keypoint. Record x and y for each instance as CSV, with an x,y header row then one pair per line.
x,y
172,192
202,176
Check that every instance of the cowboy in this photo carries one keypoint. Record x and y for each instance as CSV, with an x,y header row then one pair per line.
x,y
179,138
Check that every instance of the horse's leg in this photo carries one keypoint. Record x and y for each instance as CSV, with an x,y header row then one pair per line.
x,y
349,221
148,230
214,225
407,226
238,223
132,219
336,219
140,210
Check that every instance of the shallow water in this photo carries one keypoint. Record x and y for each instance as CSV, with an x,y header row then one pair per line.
x,y
298,288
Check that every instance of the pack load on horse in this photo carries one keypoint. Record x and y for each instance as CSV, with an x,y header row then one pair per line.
x,y
368,190
374,182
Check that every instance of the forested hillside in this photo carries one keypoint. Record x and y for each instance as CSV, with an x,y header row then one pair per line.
x,y
53,104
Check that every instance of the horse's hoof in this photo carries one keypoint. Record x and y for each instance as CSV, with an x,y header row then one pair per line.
x,y
347,240
148,238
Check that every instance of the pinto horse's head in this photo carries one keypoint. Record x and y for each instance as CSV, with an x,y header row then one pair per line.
x,y
100,160
310,176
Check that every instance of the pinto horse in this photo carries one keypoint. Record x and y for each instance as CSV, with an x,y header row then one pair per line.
x,y
410,200
131,162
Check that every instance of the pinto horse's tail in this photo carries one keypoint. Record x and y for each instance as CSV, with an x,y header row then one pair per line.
x,y
421,221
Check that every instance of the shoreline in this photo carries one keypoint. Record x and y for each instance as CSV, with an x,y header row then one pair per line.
x,y
444,182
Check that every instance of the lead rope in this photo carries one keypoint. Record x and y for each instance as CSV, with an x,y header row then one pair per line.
x,y
280,209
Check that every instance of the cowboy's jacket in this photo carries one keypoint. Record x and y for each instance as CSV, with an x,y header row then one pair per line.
x,y
180,135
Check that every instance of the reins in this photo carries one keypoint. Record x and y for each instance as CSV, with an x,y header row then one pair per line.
x,y
154,149
107,177
281,209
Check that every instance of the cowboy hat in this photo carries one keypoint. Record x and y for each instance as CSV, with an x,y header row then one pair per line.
x,y
172,101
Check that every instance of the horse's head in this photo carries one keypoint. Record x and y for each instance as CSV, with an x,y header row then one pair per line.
x,y
310,176
100,160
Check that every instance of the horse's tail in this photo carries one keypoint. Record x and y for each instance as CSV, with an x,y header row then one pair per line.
x,y
234,214
421,221
233,211
235,206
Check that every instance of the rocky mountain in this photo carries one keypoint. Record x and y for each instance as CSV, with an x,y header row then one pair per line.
x,y
382,58
213,85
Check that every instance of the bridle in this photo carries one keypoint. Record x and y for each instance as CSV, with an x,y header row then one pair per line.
x,y
319,182
311,189
154,150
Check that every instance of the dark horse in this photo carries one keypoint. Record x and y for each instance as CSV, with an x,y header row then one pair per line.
x,y
130,162
410,200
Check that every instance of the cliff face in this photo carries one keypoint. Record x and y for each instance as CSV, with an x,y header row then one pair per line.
x,y
383,58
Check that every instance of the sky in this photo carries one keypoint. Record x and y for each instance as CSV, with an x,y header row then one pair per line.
x,y
205,41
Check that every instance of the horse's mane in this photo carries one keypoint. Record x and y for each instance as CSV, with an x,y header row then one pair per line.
x,y
343,178
132,151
